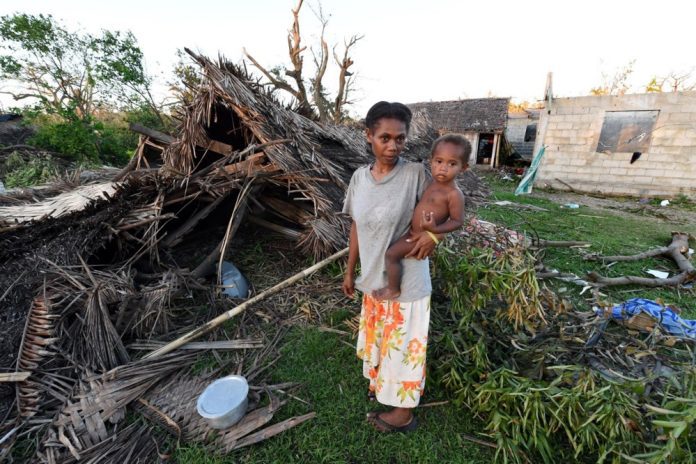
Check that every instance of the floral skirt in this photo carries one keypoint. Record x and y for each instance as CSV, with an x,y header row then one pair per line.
x,y
392,343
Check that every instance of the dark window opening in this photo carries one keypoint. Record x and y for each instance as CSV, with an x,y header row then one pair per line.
x,y
530,133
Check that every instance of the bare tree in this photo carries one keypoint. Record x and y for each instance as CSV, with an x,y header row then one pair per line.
x,y
320,106
616,84
675,82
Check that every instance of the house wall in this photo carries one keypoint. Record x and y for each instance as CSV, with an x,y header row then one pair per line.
x,y
472,137
667,168
514,132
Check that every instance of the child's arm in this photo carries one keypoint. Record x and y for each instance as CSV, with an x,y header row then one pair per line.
x,y
353,253
455,203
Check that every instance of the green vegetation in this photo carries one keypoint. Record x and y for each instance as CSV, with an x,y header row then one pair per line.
x,y
21,173
609,234
332,383
82,89
571,413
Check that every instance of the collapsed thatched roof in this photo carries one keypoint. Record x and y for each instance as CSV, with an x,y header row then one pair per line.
x,y
314,163
469,115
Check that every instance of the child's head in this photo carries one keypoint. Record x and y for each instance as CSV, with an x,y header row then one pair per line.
x,y
449,156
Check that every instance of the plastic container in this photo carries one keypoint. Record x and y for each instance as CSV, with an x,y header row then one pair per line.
x,y
234,283
224,402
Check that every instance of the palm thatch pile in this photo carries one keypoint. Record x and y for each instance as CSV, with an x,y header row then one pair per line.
x,y
94,275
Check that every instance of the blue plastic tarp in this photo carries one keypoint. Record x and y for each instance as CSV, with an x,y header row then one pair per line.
x,y
667,317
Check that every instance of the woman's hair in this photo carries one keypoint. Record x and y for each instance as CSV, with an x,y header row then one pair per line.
x,y
389,110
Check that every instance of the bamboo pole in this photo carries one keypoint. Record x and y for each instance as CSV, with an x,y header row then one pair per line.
x,y
14,376
213,323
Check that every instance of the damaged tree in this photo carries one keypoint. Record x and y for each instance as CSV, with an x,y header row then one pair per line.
x,y
320,106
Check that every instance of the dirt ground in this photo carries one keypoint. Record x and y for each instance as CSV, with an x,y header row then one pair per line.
x,y
626,207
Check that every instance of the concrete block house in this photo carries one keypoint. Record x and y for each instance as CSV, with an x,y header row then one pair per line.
x,y
636,145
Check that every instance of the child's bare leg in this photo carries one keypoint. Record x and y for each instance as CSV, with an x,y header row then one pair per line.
x,y
392,259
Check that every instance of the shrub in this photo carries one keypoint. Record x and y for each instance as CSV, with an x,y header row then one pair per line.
x,y
21,173
74,139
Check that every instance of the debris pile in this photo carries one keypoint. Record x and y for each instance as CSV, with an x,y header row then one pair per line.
x,y
553,383
94,275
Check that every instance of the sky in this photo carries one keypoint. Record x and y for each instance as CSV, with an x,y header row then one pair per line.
x,y
415,50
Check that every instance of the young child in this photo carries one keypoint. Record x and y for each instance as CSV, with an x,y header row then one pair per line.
x,y
439,211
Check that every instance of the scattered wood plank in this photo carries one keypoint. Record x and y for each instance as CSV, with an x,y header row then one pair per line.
x,y
6,377
152,133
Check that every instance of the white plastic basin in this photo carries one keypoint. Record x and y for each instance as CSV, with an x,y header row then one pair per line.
x,y
224,402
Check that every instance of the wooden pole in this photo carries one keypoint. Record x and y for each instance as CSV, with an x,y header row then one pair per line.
x,y
213,323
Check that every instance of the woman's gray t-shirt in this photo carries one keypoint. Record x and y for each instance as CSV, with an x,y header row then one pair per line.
x,y
382,211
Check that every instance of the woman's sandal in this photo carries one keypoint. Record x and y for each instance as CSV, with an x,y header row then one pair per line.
x,y
382,426
371,396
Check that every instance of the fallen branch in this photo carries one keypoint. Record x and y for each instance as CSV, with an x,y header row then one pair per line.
x,y
674,281
570,187
213,323
677,251
560,243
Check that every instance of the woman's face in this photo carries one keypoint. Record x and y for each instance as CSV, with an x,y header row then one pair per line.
x,y
387,140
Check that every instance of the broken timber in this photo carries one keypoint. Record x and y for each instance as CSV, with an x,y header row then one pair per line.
x,y
213,323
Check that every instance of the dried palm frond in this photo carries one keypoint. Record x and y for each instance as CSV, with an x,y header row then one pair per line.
x,y
176,401
134,443
60,205
101,399
36,342
86,329
155,317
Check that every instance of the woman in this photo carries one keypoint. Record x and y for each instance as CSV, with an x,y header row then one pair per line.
x,y
393,334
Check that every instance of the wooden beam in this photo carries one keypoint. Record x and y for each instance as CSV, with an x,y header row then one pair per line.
x,y
213,323
284,231
244,166
252,165
219,147
212,145
152,133
14,376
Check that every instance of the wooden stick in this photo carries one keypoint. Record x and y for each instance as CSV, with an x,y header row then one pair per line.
x,y
176,237
213,323
14,376
479,441
152,133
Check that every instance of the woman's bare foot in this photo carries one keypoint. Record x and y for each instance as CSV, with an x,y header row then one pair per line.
x,y
386,293
388,421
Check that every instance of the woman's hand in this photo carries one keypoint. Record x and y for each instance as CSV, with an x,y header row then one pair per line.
x,y
348,285
424,245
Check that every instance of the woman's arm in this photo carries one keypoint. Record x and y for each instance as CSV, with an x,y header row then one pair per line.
x,y
353,253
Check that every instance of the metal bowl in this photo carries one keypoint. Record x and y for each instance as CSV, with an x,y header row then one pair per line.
x,y
224,402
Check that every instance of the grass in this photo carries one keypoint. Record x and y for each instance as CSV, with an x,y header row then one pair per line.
x,y
609,234
332,383
326,366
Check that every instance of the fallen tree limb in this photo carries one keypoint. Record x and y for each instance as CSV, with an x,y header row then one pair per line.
x,y
213,323
560,243
677,251
600,281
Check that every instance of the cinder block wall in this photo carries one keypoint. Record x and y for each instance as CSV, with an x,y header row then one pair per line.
x,y
515,131
667,169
